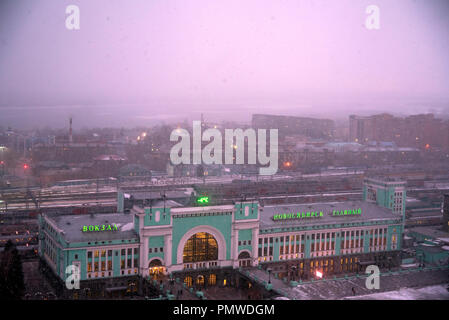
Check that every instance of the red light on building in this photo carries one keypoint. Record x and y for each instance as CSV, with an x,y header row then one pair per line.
x,y
25,166
427,146
287,164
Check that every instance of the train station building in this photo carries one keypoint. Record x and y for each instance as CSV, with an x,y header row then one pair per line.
x,y
204,244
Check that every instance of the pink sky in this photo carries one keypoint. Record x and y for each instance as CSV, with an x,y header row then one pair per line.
x,y
277,53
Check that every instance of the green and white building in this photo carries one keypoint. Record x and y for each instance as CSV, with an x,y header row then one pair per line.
x,y
206,244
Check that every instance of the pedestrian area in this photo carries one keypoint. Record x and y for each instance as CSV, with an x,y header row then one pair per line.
x,y
350,286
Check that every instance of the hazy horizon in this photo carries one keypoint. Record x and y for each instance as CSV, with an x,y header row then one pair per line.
x,y
145,62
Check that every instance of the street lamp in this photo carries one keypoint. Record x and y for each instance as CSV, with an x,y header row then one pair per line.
x,y
269,275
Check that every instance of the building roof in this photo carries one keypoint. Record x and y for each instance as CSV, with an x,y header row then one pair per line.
x,y
171,194
369,212
434,232
72,226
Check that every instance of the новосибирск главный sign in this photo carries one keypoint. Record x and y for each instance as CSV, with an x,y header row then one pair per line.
x,y
315,214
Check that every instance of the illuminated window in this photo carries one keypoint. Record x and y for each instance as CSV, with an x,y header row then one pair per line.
x,y
201,246
212,279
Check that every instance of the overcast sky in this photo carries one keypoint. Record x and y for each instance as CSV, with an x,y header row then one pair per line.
x,y
277,56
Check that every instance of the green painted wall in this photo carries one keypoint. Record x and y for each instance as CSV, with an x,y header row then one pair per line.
x,y
221,222
151,217
246,211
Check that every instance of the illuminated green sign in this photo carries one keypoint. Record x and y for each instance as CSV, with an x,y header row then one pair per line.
x,y
347,212
202,200
315,214
299,215
100,227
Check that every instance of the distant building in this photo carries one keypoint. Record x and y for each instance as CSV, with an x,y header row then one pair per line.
x,y
422,131
290,125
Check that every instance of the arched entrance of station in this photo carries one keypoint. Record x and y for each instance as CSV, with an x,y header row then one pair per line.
x,y
200,281
201,246
156,269
244,259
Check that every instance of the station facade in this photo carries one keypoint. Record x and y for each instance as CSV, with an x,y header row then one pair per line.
x,y
205,244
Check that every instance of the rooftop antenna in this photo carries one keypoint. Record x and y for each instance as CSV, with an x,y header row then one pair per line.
x,y
164,196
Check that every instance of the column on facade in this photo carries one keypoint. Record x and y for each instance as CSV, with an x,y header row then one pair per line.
x,y
168,250
143,257
255,245
234,246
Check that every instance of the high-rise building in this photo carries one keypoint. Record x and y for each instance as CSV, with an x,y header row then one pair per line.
x,y
422,131
290,125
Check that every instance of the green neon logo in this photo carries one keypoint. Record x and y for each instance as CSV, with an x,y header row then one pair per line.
x,y
202,200
100,228
347,212
299,215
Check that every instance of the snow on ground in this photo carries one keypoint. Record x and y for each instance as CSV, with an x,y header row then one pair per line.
x,y
127,227
409,265
438,292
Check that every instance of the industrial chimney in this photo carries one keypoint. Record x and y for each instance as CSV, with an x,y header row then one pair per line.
x,y
70,131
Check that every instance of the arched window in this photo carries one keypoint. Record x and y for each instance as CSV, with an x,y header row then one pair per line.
x,y
200,280
244,255
212,279
201,246
188,281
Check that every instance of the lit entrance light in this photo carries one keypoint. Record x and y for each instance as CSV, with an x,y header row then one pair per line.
x,y
319,274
